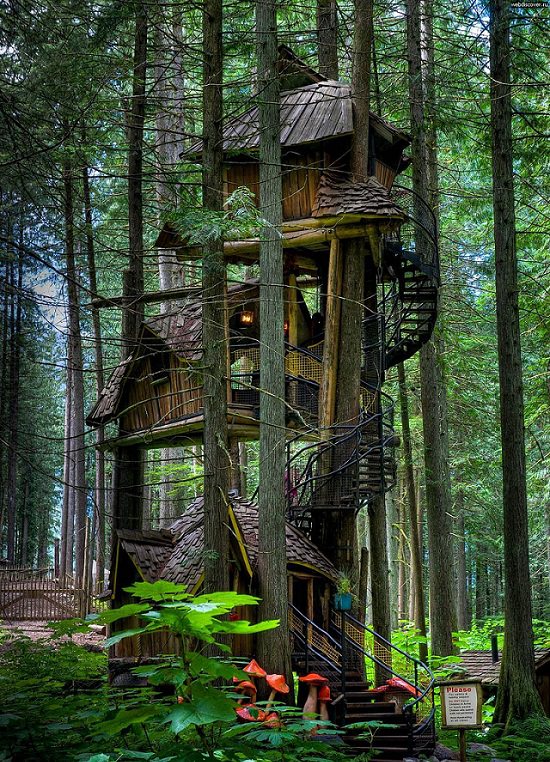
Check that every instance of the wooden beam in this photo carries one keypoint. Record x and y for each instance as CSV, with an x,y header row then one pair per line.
x,y
374,241
327,392
293,310
148,297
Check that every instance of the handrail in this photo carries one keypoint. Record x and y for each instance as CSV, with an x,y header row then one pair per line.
x,y
383,417
409,706
422,217
339,665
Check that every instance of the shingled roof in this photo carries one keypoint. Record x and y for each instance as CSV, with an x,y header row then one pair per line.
x,y
337,196
321,111
180,331
107,403
479,665
176,554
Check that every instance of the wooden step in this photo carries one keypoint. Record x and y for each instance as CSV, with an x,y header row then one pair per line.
x,y
368,703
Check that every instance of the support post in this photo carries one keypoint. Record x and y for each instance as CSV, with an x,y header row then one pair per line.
x,y
327,393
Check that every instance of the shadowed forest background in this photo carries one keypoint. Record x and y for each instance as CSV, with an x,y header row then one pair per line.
x,y
98,123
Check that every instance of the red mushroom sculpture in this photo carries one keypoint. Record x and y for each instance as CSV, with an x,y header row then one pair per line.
x,y
247,709
248,689
323,699
314,681
277,683
253,670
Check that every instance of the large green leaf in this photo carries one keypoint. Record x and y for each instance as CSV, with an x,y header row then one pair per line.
x,y
242,627
130,609
118,636
158,591
207,706
214,667
127,717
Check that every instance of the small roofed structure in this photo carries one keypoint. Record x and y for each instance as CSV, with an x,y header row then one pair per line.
x,y
157,392
316,133
176,555
479,665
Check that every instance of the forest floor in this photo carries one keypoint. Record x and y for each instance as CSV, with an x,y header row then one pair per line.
x,y
91,641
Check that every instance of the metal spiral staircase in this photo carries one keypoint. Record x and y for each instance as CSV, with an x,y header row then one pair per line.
x,y
357,462
354,658
410,290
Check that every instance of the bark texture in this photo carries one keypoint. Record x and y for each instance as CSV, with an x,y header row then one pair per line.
x,y
434,403
78,481
416,558
517,696
217,463
273,647
128,463
327,36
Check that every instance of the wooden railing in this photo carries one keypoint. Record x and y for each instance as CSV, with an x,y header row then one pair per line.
x,y
36,595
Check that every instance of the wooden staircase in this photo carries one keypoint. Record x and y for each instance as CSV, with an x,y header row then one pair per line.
x,y
390,740
404,727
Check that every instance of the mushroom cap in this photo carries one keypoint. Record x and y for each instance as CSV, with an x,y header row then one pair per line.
x,y
245,714
272,720
278,683
397,682
313,679
324,693
254,669
246,687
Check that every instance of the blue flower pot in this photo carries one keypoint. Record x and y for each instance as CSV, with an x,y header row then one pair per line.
x,y
342,601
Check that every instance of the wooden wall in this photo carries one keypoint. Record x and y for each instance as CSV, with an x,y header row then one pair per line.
x,y
301,171
167,392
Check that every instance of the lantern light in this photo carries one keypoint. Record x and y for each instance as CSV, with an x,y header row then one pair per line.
x,y
246,317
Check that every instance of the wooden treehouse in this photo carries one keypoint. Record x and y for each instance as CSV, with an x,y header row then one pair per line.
x,y
334,466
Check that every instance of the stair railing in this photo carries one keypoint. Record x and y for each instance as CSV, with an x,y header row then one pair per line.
x,y
423,227
420,709
343,649
317,644
317,467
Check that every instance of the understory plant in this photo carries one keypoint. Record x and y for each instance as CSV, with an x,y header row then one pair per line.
x,y
65,710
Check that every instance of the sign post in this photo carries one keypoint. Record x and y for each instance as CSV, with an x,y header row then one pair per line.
x,y
461,708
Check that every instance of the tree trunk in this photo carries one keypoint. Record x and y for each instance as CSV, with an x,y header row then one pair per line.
x,y
327,37
217,466
273,647
462,608
434,413
127,480
78,484
14,380
517,696
416,558
66,548
392,518
98,538
169,126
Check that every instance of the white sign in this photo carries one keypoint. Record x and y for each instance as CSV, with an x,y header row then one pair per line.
x,y
461,705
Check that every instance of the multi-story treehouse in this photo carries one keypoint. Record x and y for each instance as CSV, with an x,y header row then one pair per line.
x,y
334,467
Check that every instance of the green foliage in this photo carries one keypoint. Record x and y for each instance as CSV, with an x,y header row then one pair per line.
x,y
238,221
58,704
527,741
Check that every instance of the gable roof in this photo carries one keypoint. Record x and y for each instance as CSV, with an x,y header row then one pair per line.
x,y
176,554
479,665
180,331
311,114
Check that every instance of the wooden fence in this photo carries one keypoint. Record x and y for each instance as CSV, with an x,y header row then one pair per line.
x,y
37,595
